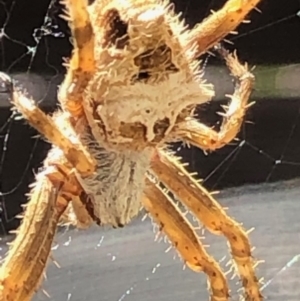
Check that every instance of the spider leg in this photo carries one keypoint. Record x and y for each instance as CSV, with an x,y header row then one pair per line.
x,y
22,270
180,232
82,64
174,176
76,214
219,24
205,138
75,153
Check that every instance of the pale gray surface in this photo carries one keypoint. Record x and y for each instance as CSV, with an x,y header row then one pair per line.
x,y
105,264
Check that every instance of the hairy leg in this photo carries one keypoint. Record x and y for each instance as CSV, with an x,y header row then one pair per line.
x,y
81,66
180,232
204,137
22,270
218,25
171,172
50,128
76,214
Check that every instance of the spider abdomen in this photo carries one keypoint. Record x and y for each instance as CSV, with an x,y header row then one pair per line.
x,y
115,190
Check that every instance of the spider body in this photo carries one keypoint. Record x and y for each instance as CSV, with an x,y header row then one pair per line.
x,y
116,188
150,74
151,82
131,88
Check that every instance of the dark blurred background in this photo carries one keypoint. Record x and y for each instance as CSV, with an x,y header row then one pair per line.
x,y
34,40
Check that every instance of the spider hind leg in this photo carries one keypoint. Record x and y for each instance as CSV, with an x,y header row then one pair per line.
x,y
219,24
81,66
195,133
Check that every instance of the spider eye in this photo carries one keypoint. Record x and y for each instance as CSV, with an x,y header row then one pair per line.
x,y
115,30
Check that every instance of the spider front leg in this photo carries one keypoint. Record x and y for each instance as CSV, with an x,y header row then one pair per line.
x,y
205,138
82,64
180,232
174,176
22,270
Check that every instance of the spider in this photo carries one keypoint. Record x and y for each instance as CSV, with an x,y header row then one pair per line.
x,y
131,88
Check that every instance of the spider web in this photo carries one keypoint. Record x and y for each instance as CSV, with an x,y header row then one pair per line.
x,y
267,149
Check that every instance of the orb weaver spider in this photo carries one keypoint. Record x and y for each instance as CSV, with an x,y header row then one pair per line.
x,y
131,88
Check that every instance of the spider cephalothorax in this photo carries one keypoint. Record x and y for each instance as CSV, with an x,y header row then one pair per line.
x,y
131,87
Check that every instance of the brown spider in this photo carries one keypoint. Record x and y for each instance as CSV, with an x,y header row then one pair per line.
x,y
132,85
